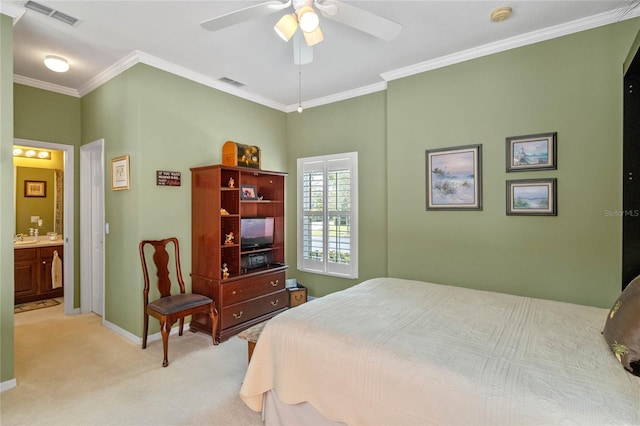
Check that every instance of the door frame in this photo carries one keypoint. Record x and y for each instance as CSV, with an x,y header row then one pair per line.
x,y
86,224
68,221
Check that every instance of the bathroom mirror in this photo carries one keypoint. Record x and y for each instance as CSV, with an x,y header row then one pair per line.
x,y
39,192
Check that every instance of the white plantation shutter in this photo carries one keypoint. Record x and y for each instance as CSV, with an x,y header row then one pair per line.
x,y
328,214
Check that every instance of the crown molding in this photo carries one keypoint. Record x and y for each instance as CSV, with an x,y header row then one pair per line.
x,y
514,42
114,70
11,10
136,57
206,81
39,84
139,57
360,91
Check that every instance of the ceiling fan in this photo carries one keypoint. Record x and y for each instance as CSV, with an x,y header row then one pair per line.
x,y
305,17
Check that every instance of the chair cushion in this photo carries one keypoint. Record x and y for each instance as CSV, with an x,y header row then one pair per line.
x,y
178,302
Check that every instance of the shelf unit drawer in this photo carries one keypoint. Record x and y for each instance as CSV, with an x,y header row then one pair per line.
x,y
234,292
250,309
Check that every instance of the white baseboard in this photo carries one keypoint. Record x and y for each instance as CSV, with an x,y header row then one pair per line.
x,y
9,384
138,340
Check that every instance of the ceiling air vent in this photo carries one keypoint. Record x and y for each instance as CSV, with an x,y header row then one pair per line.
x,y
52,13
231,81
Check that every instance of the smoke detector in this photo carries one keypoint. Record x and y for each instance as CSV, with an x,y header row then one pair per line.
x,y
501,14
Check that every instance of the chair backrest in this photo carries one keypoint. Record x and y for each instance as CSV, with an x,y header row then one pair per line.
x,y
161,261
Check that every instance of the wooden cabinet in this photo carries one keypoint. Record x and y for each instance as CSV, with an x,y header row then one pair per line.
x,y
254,289
32,274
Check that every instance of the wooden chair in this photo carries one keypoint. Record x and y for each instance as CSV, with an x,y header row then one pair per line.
x,y
170,308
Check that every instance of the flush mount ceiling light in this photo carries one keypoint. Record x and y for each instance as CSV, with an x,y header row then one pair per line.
x,y
56,63
501,14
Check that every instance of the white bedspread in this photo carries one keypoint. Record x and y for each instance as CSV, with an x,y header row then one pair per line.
x,y
400,352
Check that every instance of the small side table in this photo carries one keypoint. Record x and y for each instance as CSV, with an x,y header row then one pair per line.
x,y
251,335
297,295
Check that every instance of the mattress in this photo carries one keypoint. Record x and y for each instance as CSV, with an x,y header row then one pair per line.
x,y
400,352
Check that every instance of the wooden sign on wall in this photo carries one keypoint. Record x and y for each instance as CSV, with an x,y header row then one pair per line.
x,y
165,178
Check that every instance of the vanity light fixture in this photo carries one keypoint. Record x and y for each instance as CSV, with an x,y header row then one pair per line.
x,y
32,153
56,63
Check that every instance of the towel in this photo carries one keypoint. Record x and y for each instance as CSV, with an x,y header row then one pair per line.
x,y
56,271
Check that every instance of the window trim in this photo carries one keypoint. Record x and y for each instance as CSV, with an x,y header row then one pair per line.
x,y
323,267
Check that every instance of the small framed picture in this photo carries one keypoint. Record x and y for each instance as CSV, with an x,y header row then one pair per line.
x,y
248,192
35,188
532,152
454,178
120,173
532,197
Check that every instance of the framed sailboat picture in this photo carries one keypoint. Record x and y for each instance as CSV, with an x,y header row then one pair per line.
x,y
532,152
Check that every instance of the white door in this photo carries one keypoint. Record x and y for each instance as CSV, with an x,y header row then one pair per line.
x,y
97,232
92,226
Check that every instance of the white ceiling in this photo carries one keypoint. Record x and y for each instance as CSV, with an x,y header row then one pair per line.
x,y
114,35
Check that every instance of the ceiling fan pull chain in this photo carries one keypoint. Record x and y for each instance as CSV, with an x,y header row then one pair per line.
x,y
300,80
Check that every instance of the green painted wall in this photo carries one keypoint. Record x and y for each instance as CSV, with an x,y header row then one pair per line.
x,y
163,122
572,85
45,116
6,199
357,124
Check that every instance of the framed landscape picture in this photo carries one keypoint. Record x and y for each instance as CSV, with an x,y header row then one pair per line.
x,y
532,197
454,178
35,188
120,173
532,152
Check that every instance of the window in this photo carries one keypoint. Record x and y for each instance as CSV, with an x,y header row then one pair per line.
x,y
328,215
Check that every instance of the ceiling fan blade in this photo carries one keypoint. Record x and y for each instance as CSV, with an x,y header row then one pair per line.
x,y
363,20
242,15
302,54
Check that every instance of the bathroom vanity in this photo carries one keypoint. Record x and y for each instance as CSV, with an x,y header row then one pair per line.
x,y
33,261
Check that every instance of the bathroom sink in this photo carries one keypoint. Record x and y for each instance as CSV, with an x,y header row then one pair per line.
x,y
21,243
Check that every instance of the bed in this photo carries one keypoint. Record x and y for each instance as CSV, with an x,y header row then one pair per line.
x,y
400,352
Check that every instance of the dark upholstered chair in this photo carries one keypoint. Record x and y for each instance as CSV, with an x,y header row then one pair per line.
x,y
170,308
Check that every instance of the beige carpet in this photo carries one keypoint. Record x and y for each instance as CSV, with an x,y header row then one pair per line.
x,y
73,371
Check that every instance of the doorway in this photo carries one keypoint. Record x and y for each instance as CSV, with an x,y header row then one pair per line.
x,y
68,216
92,227
631,175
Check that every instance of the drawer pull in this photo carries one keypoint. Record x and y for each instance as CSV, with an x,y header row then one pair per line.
x,y
275,303
298,297
274,284
238,316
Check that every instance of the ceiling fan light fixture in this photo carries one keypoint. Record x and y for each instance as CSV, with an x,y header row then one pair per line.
x,y
308,19
286,26
313,37
56,63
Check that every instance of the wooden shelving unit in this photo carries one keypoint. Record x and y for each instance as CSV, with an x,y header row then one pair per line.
x,y
247,296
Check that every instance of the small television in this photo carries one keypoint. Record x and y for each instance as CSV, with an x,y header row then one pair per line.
x,y
256,232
